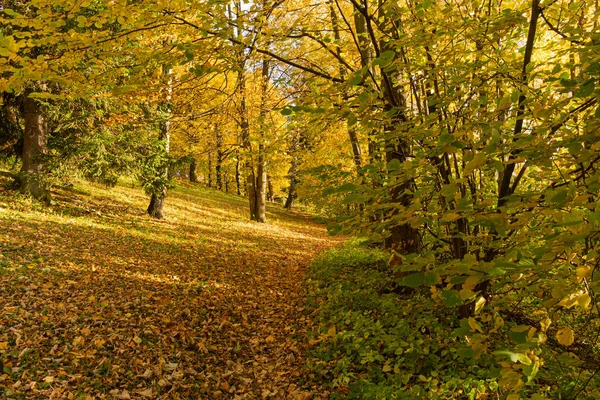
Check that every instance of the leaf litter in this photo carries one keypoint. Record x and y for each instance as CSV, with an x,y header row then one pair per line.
x,y
99,301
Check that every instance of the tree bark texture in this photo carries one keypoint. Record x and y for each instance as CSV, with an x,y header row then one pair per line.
x,y
193,170
238,185
289,201
219,162
403,238
35,138
157,199
210,170
352,133
261,169
270,191
293,172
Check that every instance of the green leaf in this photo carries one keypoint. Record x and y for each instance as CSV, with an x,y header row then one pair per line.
x,y
352,120
560,198
420,278
518,337
356,80
11,13
586,90
384,58
451,298
394,165
445,139
431,278
347,187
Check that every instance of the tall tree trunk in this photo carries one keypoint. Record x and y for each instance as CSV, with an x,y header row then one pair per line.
x,y
261,170
193,169
219,162
243,121
289,201
293,172
352,132
35,138
261,186
270,193
247,146
238,185
157,199
403,238
210,170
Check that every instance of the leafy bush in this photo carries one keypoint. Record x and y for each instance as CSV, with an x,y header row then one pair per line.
x,y
376,343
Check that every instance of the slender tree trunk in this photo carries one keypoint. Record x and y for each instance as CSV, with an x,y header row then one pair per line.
x,y
210,170
293,172
270,193
193,169
219,162
244,123
247,146
238,186
289,201
352,132
261,186
261,170
35,138
157,200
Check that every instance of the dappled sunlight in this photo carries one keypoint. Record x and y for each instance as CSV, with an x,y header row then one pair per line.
x,y
99,286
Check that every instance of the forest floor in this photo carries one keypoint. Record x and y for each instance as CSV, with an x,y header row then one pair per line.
x,y
97,300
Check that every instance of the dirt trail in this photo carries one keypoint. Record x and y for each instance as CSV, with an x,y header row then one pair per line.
x,y
99,301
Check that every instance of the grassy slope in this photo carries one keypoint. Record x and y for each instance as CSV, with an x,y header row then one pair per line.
x,y
99,301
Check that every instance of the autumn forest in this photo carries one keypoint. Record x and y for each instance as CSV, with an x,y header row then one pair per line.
x,y
290,199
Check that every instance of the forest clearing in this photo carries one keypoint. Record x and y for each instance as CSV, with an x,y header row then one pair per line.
x,y
156,155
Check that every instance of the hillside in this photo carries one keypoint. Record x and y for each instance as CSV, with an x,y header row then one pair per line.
x,y
97,300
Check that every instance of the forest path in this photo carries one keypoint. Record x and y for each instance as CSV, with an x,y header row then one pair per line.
x,y
99,301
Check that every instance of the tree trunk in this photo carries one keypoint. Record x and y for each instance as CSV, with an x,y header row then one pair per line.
x,y
244,124
219,163
210,170
261,170
270,193
238,186
292,189
261,187
293,172
157,199
403,238
352,133
247,146
193,168
35,138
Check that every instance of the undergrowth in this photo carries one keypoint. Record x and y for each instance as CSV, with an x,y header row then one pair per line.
x,y
376,341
